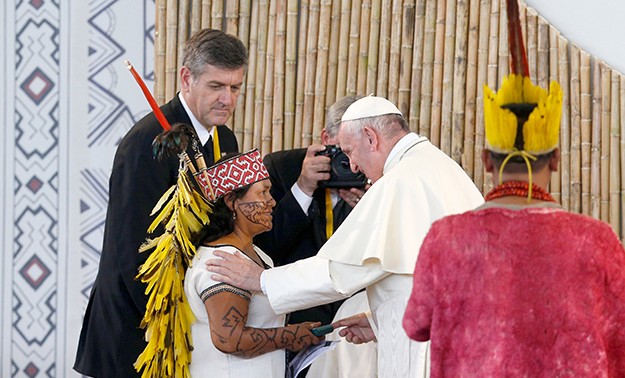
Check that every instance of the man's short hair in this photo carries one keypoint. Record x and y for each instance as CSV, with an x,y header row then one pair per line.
x,y
335,112
214,47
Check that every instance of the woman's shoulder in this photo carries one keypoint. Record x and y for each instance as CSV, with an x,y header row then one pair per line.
x,y
207,251
214,246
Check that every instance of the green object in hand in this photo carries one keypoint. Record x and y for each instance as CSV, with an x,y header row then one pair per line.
x,y
322,330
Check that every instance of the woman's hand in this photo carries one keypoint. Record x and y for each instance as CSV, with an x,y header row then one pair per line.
x,y
298,336
357,329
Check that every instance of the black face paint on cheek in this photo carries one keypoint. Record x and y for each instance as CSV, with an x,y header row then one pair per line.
x,y
256,212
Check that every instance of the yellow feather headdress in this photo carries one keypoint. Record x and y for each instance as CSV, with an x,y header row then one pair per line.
x,y
541,130
183,210
521,116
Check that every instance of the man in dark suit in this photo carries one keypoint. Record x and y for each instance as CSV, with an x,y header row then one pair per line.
x,y
300,218
210,80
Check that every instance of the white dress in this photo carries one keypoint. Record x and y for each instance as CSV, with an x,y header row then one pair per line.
x,y
208,361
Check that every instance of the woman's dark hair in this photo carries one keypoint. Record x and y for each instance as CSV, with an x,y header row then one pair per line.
x,y
221,221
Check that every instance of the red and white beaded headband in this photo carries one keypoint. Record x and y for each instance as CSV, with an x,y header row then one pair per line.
x,y
237,172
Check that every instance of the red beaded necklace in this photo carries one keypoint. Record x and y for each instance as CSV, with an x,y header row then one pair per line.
x,y
519,189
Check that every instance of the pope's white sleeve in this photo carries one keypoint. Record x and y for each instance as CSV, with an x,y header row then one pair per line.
x,y
315,281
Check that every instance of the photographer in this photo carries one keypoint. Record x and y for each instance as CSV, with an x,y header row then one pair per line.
x,y
300,225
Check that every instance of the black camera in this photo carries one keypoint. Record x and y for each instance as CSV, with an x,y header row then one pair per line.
x,y
341,175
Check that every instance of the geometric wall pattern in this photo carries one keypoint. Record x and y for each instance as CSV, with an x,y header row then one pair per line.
x,y
68,100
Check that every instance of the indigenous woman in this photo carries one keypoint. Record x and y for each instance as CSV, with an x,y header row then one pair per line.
x,y
236,333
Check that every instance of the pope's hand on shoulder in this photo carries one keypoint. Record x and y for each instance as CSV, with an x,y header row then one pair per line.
x,y
235,269
315,168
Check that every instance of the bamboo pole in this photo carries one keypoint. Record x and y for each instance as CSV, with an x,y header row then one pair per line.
x,y
351,83
261,66
217,15
184,26
586,131
250,98
394,55
290,74
380,74
542,53
417,65
614,205
269,82
363,48
482,78
374,42
321,71
437,80
575,167
493,77
561,66
238,119
447,89
276,139
302,58
468,143
622,149
493,46
605,141
311,65
595,162
459,84
160,51
553,49
244,21
427,83
230,26
344,46
405,59
504,54
206,14
171,59
196,16
330,86
232,17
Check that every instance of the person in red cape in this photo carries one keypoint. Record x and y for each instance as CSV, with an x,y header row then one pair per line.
x,y
519,287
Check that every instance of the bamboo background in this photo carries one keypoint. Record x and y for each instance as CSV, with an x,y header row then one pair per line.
x,y
429,57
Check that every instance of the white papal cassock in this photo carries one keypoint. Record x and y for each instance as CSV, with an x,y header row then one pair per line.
x,y
377,246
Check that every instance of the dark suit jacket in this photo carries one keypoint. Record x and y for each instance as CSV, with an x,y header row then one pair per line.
x,y
297,235
111,339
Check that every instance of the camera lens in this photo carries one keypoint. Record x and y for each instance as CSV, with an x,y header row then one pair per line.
x,y
340,166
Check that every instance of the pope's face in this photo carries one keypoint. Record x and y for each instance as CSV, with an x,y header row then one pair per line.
x,y
212,96
358,149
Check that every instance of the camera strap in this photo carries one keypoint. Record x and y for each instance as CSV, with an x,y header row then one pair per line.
x,y
329,215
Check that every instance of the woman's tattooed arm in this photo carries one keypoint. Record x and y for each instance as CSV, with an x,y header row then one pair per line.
x,y
227,313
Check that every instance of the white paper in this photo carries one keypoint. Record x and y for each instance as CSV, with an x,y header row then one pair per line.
x,y
306,357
